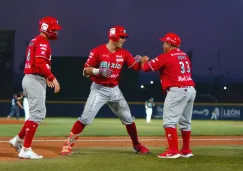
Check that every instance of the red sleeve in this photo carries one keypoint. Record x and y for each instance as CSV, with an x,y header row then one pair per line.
x,y
154,64
131,63
43,68
93,59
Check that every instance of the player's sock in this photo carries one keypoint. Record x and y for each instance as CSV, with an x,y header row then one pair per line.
x,y
172,138
132,131
186,135
30,133
73,136
22,131
77,127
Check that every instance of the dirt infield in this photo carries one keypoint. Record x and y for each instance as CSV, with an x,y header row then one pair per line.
x,y
50,147
11,121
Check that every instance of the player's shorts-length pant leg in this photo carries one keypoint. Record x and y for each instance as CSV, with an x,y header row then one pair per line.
x,y
119,106
186,117
34,87
99,95
174,105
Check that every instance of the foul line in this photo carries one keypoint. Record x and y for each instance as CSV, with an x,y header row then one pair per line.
x,y
126,140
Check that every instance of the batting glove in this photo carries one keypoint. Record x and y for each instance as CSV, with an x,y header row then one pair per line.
x,y
138,58
106,72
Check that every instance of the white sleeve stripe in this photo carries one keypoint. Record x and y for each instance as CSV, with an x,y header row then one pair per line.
x,y
87,64
150,66
132,64
50,76
40,57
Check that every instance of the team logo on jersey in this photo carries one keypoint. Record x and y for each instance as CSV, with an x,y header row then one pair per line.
x,y
43,48
184,78
105,64
104,55
118,56
119,60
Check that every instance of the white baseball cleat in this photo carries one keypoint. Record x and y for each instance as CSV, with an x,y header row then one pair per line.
x,y
27,153
16,143
186,153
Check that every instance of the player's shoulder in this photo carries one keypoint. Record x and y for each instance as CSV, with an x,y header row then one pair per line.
x,y
177,52
99,48
122,50
41,41
161,56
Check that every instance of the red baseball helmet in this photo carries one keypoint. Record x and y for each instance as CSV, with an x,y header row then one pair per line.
x,y
172,38
116,32
49,26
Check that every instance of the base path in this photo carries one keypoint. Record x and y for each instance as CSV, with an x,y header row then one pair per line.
x,y
50,147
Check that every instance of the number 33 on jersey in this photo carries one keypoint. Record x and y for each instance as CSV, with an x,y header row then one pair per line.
x,y
175,68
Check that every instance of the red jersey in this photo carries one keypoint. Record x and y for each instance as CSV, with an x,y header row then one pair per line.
x,y
174,67
38,58
101,57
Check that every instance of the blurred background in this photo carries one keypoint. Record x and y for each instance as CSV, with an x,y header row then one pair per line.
x,y
211,33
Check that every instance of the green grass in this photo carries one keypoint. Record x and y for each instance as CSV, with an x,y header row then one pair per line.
x,y
206,158
117,159
113,127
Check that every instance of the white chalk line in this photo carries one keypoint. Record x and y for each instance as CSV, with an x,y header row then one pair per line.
x,y
128,140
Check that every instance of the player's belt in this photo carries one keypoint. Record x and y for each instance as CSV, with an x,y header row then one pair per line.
x,y
106,85
185,87
168,89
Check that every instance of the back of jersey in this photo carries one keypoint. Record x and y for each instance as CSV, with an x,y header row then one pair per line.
x,y
38,47
30,57
176,70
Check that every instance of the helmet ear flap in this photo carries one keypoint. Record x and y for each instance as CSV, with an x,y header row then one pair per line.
x,y
116,38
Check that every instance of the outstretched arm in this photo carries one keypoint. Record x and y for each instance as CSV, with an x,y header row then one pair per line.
x,y
152,65
133,62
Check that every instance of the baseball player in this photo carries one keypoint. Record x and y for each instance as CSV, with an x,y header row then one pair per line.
x,y
37,75
103,66
15,107
175,71
149,109
215,114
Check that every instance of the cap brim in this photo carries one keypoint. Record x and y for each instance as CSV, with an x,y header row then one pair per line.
x,y
125,35
162,39
57,27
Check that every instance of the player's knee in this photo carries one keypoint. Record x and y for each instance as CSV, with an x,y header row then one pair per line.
x,y
85,121
127,120
37,115
169,126
169,123
186,127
